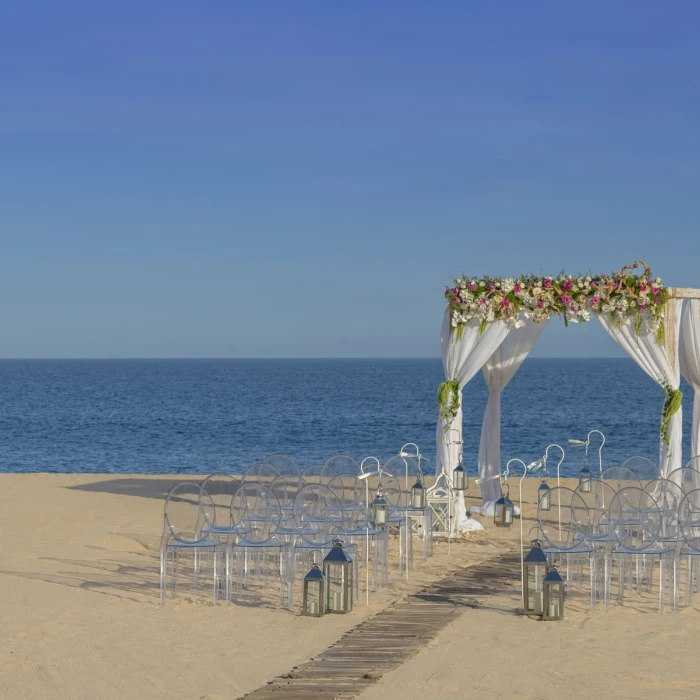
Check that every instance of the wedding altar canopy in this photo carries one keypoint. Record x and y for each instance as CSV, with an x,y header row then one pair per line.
x,y
492,323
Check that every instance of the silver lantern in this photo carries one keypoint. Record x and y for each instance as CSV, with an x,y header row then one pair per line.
x,y
585,483
314,600
544,496
418,500
380,509
337,569
503,511
535,570
553,596
459,478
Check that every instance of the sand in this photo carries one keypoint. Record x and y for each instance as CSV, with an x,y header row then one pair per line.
x,y
80,614
80,617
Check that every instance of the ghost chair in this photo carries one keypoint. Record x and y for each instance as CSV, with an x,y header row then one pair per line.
x,y
284,464
343,464
636,520
188,509
261,554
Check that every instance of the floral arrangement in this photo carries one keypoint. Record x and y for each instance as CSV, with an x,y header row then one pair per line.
x,y
639,299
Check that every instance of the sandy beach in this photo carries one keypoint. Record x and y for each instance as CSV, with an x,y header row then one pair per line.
x,y
80,616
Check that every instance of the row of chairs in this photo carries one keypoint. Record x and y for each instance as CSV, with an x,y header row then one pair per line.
x,y
625,520
265,524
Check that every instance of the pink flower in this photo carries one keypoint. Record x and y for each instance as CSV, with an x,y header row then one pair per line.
x,y
456,290
547,283
540,304
517,288
566,300
657,300
594,300
594,285
492,286
642,306
505,302
655,290
566,286
472,286
482,302
643,288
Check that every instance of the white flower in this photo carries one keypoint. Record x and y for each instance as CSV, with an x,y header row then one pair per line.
x,y
508,284
519,323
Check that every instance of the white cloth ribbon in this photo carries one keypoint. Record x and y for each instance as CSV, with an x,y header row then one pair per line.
x,y
645,350
689,358
498,371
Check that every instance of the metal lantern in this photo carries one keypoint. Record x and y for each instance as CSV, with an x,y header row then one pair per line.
x,y
544,496
585,477
380,509
337,569
535,570
418,496
503,511
314,601
459,480
553,596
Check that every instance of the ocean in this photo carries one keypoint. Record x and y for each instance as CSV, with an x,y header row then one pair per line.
x,y
201,416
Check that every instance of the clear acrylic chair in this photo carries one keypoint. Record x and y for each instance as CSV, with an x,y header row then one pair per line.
x,y
317,474
642,467
564,525
620,477
285,488
689,524
637,522
260,473
284,464
188,509
343,464
260,554
222,488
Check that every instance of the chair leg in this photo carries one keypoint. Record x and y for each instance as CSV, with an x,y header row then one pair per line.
x,y
163,573
176,557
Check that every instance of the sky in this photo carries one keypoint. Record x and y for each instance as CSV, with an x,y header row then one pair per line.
x,y
301,179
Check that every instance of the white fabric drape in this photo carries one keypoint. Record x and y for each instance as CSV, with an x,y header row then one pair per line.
x,y
498,371
689,358
655,361
462,358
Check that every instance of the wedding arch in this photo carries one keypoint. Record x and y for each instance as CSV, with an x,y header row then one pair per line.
x,y
492,323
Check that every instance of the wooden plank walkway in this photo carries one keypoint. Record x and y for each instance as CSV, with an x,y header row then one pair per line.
x,y
365,653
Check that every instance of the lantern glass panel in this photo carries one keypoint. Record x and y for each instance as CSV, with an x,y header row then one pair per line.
x,y
544,496
337,568
553,598
458,478
418,496
585,480
314,598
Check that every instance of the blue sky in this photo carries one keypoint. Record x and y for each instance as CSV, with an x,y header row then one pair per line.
x,y
302,178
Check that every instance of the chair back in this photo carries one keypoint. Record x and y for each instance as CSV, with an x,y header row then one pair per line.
x,y
285,488
261,473
668,496
687,476
343,464
598,501
188,507
318,514
567,518
222,488
635,518
257,511
350,490
642,467
620,477
689,520
317,474
284,464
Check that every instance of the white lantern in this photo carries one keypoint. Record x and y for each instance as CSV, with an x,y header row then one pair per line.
x,y
544,496
380,509
418,496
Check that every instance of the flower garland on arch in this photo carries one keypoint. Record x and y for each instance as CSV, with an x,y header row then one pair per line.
x,y
629,298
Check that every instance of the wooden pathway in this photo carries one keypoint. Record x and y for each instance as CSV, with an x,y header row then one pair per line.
x,y
365,653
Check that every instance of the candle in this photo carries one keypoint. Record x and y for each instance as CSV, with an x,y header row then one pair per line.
x,y
313,607
537,605
554,609
337,601
509,515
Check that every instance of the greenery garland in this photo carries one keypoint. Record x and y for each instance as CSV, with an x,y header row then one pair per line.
x,y
448,400
674,399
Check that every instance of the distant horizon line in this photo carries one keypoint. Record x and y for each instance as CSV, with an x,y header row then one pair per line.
x,y
248,358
